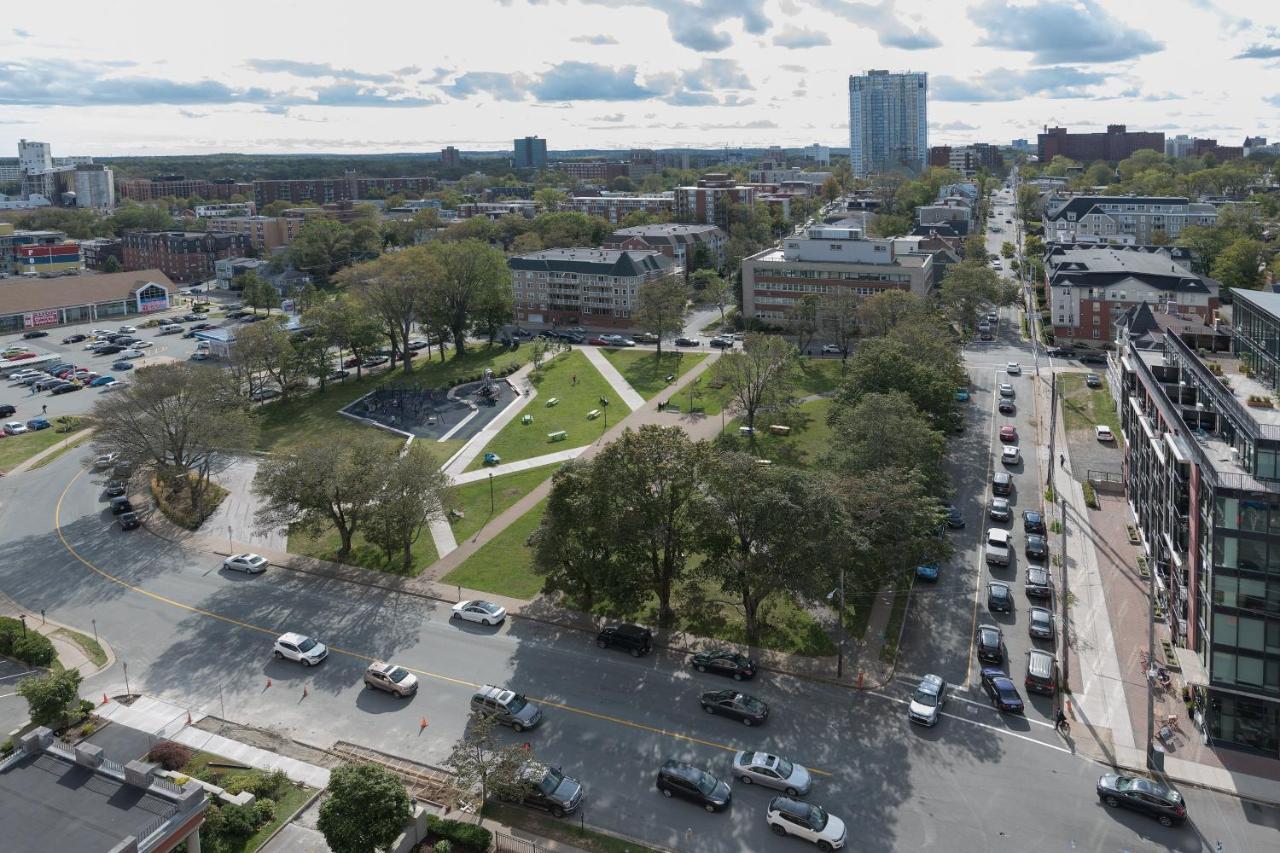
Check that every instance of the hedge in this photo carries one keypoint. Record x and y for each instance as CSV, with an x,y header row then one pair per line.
x,y
466,836
33,649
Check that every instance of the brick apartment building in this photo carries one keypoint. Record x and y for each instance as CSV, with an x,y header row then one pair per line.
x,y
322,190
615,208
264,233
592,287
184,256
675,240
177,186
96,252
708,202
1116,144
595,171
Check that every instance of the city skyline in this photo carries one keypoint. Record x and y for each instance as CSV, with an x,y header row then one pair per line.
x,y
622,73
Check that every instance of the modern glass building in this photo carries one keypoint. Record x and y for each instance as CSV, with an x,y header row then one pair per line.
x,y
888,122
1202,474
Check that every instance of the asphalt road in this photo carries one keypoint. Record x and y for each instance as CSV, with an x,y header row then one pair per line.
x,y
191,633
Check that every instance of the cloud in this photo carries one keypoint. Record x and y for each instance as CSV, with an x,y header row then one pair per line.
x,y
883,19
358,95
953,125
1001,84
760,124
499,86
21,33
587,81
798,69
714,74
703,86
796,38
408,71
315,69
1274,100
191,114
275,110
1259,51
438,75
697,24
611,117
1056,32
597,39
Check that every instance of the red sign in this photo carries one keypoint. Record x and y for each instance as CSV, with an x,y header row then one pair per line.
x,y
42,318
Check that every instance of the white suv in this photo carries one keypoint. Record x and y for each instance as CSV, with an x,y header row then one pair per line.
x,y
807,821
301,648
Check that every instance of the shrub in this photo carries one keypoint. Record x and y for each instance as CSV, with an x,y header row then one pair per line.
x,y
170,755
270,786
34,648
6,747
467,836
229,824
442,846
239,782
264,811
1090,496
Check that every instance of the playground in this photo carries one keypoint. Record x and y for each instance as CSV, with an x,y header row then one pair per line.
x,y
431,414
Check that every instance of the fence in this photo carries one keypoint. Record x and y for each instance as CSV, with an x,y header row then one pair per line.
x,y
503,843
1106,482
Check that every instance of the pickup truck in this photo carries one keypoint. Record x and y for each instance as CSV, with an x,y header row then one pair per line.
x,y
997,547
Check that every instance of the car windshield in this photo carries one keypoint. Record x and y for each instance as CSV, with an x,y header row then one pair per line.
x,y
398,674
551,781
785,768
925,697
517,703
487,607
306,645
751,703
817,818
707,783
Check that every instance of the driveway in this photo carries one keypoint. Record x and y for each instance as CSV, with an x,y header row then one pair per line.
x,y
238,508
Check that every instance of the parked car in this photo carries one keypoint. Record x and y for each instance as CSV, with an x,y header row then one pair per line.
x,y
547,788
250,564
597,342
687,342
128,330
1093,358
1002,692
116,488
1006,390
129,521
74,339
15,428
264,394
954,519
131,353
100,381
35,333
770,771
677,779
721,343
301,648
507,707
1010,455
1002,483
1038,583
1032,521
393,679
999,510
1040,623
1142,795
724,662
65,388
1037,547
1007,407
635,639
747,710
120,504
1008,433
192,318
7,410
928,571
999,597
484,612
808,821
926,703
1093,380
1103,433
122,365
990,644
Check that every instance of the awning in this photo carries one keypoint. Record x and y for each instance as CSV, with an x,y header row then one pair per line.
x,y
1193,672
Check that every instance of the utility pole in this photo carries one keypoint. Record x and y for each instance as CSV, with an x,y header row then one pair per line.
x,y
1151,653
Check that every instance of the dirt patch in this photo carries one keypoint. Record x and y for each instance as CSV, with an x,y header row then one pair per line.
x,y
268,740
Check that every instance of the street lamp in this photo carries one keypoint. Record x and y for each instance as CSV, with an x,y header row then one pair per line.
x,y
127,691
490,494
23,618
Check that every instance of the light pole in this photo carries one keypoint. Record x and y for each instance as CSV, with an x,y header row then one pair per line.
x,y
490,494
95,629
127,691
230,548
23,618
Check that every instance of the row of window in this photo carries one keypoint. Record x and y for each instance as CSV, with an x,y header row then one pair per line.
x,y
1247,593
785,273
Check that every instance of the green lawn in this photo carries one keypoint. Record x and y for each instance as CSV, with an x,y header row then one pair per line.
x,y
814,376
285,423
810,435
16,449
518,440
55,455
325,547
290,802
473,498
503,565
645,373
1083,407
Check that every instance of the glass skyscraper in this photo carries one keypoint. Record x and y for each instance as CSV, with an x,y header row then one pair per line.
x,y
888,122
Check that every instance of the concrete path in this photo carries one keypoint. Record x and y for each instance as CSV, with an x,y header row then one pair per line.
x,y
473,448
237,509
522,465
615,378
442,535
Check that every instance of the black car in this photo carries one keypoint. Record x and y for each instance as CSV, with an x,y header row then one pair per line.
x,y
954,519
116,488
199,327
192,318
120,504
1038,585
999,597
338,374
1093,358
1007,407
636,639
1040,623
687,342
129,521
747,710
109,349
75,339
677,779
721,343
237,314
1142,795
66,388
1037,547
7,410
1093,380
1002,691
990,642
724,662
35,333
548,789
189,334
1002,484
1032,521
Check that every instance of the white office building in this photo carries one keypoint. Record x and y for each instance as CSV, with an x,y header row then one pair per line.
x,y
888,122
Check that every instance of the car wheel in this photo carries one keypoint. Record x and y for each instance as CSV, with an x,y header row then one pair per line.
x,y
556,811
602,644
277,654
709,807
455,615
824,845
737,676
1165,820
746,721
306,662
635,653
700,668
792,792
746,780
1112,801
517,728
778,829
708,709
666,792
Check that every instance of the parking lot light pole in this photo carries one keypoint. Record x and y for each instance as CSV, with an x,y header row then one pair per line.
x,y
490,494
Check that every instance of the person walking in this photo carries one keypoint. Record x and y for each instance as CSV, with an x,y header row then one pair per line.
x,y
44,410
1060,722
1062,460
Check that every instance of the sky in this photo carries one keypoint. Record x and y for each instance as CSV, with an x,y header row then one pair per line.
x,y
278,76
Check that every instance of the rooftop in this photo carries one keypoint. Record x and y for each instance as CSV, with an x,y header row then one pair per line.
x,y
27,295
1265,300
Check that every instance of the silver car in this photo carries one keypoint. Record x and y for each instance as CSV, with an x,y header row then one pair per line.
x,y
927,701
761,768
1000,509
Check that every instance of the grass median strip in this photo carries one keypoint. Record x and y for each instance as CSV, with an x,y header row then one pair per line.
x,y
16,449
646,374
91,647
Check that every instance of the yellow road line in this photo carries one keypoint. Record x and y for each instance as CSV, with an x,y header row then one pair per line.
x,y
57,522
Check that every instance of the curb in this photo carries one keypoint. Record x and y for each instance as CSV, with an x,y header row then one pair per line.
x,y
1187,782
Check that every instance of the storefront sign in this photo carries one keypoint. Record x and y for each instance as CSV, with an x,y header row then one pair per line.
x,y
40,318
148,305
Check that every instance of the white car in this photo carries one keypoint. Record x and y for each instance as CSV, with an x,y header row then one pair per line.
x,y
130,353
770,771
299,647
1013,368
127,330
831,349
995,265
805,820
1103,433
106,460
927,701
1011,456
15,428
484,612
250,564
114,385
142,344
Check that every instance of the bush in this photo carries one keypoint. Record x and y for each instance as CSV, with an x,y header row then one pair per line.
x,y
34,648
467,836
1090,496
6,747
264,811
229,825
442,846
272,786
170,755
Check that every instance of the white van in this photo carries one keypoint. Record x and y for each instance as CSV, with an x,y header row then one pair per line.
x,y
170,328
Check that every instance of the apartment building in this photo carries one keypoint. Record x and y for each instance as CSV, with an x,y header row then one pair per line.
x,y
226,208
95,252
1202,477
966,159
828,261
178,186
675,240
264,233
450,157
1124,220
591,287
615,208
530,153
782,176
184,256
1090,286
1117,143
708,202
888,122
593,171
326,190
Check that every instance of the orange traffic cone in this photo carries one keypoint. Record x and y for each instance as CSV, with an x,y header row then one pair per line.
x,y
422,724
105,700
268,683
304,693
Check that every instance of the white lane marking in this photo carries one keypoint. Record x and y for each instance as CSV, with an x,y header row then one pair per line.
x,y
987,707
987,726
19,675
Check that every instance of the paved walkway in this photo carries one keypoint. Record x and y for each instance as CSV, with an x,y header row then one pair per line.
x,y
522,465
239,506
612,375
70,655
476,445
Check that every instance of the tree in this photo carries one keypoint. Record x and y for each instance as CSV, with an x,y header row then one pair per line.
x,y
839,317
257,292
182,417
395,288
1007,249
277,207
886,225
710,288
111,264
50,697
760,377
803,320
660,307
767,529
885,365
897,521
966,290
830,189
880,313
1240,265
548,199
322,247
481,764
415,493
345,324
886,430
266,348
366,809
333,481
471,278
699,258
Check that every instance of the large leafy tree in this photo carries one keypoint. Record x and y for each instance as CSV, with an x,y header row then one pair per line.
x,y
1240,265
804,320
886,365
50,696
482,764
395,288
897,520
470,275
660,307
416,492
365,811
268,349
967,289
760,377
878,314
886,430
322,247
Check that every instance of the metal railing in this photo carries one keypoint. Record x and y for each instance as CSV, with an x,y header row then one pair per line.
x,y
1222,397
503,843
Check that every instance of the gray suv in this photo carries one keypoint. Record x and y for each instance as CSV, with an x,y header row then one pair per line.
x,y
507,707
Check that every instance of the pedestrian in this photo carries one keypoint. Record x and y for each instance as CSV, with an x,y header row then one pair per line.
x,y
574,379
1062,460
44,410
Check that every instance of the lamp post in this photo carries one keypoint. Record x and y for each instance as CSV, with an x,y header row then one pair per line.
x,y
230,548
127,691
95,629
22,617
491,494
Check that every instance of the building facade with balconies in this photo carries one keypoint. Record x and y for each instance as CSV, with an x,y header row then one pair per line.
x,y
592,287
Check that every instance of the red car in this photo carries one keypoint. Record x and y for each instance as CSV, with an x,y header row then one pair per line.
x,y
1008,432
15,356
598,342
351,362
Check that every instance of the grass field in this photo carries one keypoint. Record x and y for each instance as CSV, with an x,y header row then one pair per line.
x,y
814,376
645,373
325,547
810,436
503,565
16,449
286,423
473,498
66,448
1083,407
570,378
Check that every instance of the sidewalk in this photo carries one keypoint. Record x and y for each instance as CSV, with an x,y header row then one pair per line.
x,y
611,374
27,465
473,448
70,655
